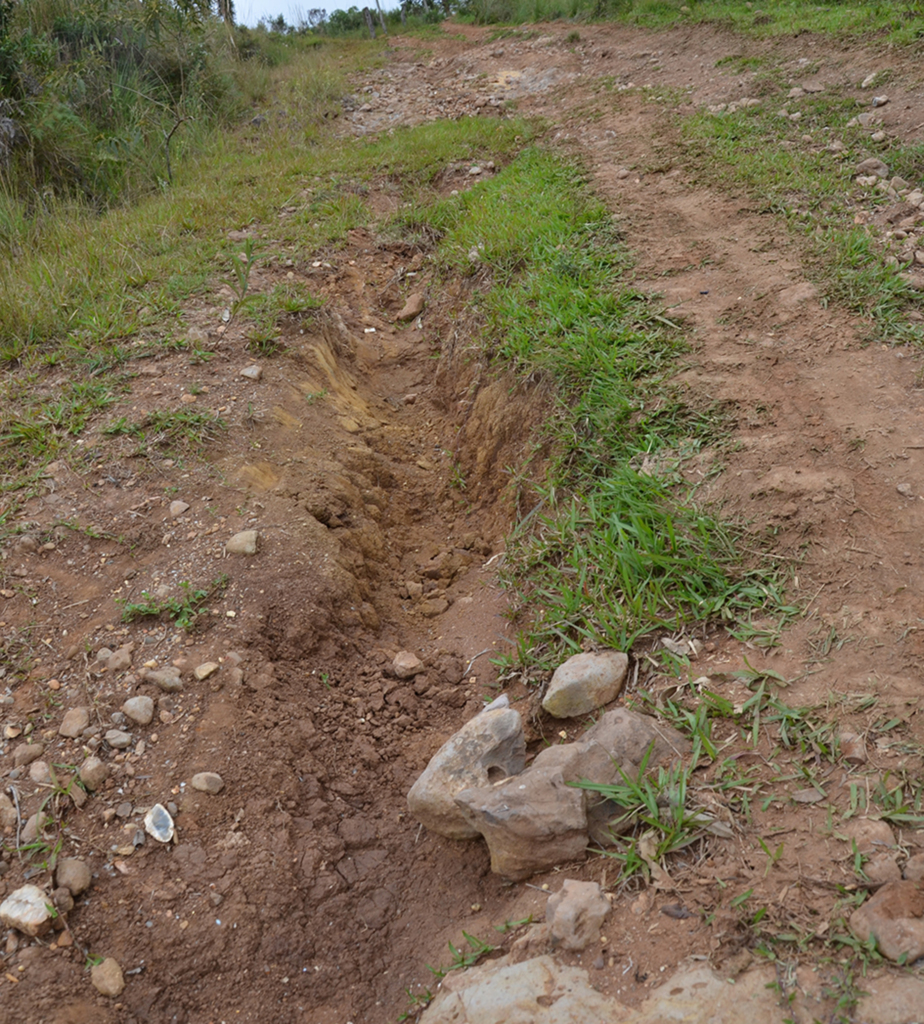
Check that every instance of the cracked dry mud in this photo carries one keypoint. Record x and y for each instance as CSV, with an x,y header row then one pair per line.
x,y
303,891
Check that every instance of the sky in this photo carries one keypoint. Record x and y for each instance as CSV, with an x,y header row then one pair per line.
x,y
249,12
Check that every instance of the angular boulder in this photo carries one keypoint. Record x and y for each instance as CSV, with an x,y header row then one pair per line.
x,y
531,822
489,747
620,740
585,682
537,990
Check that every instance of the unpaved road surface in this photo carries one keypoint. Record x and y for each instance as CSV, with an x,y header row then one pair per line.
x,y
303,891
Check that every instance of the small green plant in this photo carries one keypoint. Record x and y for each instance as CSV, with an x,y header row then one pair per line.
x,y
509,926
461,957
242,264
417,1003
654,807
184,611
316,396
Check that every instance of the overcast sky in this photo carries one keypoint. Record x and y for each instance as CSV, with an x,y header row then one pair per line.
x,y
249,12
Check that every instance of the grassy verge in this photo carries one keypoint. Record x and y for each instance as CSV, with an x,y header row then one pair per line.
x,y
83,296
897,23
804,170
614,546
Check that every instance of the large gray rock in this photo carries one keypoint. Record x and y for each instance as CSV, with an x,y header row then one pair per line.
x,y
540,991
489,747
575,914
537,990
895,916
531,822
585,682
27,910
620,740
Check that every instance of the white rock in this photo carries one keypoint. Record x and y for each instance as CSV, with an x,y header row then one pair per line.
x,y
159,824
26,909
177,508
252,372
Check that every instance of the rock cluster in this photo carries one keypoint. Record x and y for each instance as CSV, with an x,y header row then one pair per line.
x,y
535,818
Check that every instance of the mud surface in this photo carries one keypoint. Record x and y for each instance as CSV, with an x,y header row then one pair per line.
x,y
303,891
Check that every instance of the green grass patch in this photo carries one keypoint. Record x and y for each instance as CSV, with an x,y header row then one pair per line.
x,y
85,293
814,189
610,551
898,22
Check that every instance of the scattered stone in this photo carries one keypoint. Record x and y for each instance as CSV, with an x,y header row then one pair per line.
x,y
26,753
177,508
585,682
432,607
905,489
873,165
107,978
27,910
93,773
879,136
139,709
406,665
623,173
853,748
243,543
74,874
159,824
168,679
882,867
531,822
575,914
8,817
118,740
893,915
869,81
415,305
914,869
872,835
124,809
208,782
74,722
120,660
34,827
38,772
63,900
489,747
252,372
205,670
879,101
